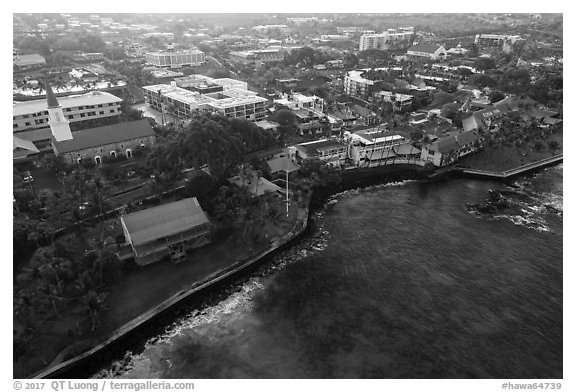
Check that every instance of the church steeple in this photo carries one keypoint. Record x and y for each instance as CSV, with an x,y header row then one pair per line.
x,y
59,125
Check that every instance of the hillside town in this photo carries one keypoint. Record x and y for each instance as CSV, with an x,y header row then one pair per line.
x,y
141,140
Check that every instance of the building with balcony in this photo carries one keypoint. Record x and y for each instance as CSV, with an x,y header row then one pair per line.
x,y
486,41
30,119
257,57
332,151
168,230
391,39
230,102
372,144
175,59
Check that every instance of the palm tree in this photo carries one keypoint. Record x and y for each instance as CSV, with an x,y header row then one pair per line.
x,y
93,305
76,82
40,87
60,84
99,256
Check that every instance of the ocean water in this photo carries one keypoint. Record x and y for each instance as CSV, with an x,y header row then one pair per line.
x,y
395,281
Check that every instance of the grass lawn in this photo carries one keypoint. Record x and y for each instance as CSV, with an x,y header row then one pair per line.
x,y
502,158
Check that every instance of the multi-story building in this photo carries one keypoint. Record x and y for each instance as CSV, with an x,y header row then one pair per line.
x,y
166,231
447,150
372,145
30,119
485,41
332,151
401,102
356,84
176,59
230,102
427,50
257,57
391,39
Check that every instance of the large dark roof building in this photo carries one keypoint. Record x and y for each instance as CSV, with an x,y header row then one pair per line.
x,y
110,139
166,230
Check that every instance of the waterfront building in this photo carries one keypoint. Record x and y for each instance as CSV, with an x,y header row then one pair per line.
x,y
108,141
430,51
372,144
332,151
447,150
175,59
168,230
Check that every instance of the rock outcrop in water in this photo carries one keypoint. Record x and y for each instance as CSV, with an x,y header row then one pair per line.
x,y
495,203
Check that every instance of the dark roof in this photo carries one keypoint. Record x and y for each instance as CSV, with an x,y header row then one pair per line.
x,y
50,97
406,149
454,142
464,138
316,147
164,220
427,48
100,136
284,164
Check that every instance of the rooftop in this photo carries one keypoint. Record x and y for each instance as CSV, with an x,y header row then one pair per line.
x,y
70,101
105,135
164,220
424,47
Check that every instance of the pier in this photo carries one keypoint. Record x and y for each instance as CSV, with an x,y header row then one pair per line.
x,y
512,172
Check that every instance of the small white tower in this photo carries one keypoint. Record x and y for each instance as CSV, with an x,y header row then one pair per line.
x,y
59,125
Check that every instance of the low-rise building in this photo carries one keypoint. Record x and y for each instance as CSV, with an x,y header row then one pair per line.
x,y
482,120
430,51
28,61
257,57
108,141
176,59
168,230
449,149
332,151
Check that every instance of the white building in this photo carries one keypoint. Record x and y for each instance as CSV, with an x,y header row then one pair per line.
x,y
372,145
495,40
176,59
230,102
31,119
257,57
331,151
391,39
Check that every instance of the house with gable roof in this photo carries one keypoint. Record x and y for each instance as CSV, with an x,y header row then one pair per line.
x,y
431,51
447,150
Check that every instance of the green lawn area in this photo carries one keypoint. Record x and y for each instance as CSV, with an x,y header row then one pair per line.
x,y
502,158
